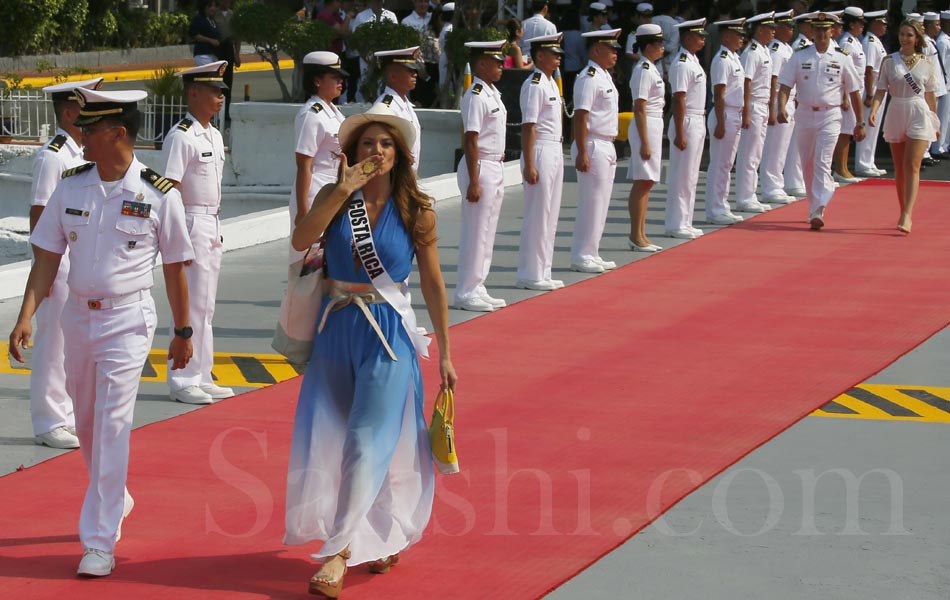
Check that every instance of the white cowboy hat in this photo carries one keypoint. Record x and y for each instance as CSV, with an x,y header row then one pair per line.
x,y
378,113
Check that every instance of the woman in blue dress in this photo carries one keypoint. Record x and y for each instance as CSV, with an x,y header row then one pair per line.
x,y
360,477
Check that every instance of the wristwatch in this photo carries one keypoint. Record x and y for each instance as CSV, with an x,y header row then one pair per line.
x,y
184,332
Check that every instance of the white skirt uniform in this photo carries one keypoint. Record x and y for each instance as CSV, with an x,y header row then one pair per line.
x,y
646,170
909,118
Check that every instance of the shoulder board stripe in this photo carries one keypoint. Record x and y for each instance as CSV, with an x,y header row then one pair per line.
x,y
536,78
477,89
317,107
185,124
387,99
591,71
77,170
158,182
57,143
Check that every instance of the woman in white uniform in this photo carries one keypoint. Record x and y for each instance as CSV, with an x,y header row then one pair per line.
x,y
911,123
315,134
646,132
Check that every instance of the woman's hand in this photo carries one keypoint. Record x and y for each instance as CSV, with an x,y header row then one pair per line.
x,y
351,179
447,371
872,119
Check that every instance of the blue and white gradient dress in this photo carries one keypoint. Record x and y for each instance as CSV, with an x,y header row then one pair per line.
x,y
360,472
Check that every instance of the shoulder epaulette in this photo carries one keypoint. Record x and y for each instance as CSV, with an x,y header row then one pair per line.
x,y
646,65
57,143
870,38
387,99
723,54
683,58
850,39
800,48
754,46
591,71
77,170
536,77
775,46
185,124
803,43
842,50
317,107
477,89
160,183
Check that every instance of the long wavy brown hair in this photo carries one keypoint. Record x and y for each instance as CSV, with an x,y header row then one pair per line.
x,y
410,200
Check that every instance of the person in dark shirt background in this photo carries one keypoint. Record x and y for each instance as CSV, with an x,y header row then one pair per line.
x,y
204,32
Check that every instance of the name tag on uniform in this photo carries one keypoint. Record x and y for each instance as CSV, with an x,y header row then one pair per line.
x,y
136,209
206,154
75,211
806,66
552,99
495,110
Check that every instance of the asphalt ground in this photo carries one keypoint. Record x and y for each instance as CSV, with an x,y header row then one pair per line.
x,y
842,508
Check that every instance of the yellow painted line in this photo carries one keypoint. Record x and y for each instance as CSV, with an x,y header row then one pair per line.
x,y
891,399
137,74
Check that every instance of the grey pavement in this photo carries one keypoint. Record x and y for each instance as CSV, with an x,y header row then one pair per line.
x,y
748,533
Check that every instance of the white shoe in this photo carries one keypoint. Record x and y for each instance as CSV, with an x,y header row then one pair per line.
x,y
474,305
557,283
95,563
880,172
796,192
494,302
540,285
779,198
682,234
127,507
753,207
817,218
608,265
60,438
216,391
868,173
191,395
587,266
699,232
726,219
650,248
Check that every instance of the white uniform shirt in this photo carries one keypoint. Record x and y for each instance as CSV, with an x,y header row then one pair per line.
x,y
403,108
874,54
646,83
856,52
541,105
780,52
416,22
757,66
930,51
726,69
194,155
800,42
687,75
484,113
61,152
315,129
943,48
594,91
112,250
821,80
924,73
532,27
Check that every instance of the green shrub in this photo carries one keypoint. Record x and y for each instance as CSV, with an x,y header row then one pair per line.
x,y
29,26
165,84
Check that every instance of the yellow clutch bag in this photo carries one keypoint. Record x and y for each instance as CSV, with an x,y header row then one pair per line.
x,y
442,433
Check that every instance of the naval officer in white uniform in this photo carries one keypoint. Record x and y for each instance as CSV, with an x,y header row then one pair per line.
x,y
480,176
401,71
193,160
793,176
850,42
686,131
51,409
778,135
821,74
542,165
116,216
595,127
874,53
726,76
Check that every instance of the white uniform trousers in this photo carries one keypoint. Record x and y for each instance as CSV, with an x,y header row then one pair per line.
x,y
479,221
105,352
683,172
751,146
866,148
50,405
317,181
794,176
593,198
542,206
817,133
943,113
202,275
722,155
774,154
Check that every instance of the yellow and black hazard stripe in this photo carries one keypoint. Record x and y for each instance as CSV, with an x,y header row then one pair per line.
x,y
231,369
891,403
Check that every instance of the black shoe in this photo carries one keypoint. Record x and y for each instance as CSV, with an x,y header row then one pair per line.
x,y
940,156
928,162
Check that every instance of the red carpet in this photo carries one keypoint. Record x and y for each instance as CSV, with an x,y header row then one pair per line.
x,y
583,413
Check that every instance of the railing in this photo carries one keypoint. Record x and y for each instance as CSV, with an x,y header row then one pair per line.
x,y
28,116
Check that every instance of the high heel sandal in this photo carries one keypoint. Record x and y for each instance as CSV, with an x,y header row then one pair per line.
x,y
324,585
902,227
383,565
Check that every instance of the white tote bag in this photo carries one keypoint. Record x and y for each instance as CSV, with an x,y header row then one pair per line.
x,y
300,307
